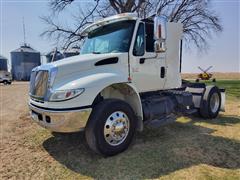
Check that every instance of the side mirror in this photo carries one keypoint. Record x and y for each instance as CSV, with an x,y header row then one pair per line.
x,y
160,33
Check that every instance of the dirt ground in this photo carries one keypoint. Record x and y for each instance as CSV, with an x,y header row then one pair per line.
x,y
190,148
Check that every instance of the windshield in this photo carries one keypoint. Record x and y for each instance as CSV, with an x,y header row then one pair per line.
x,y
111,38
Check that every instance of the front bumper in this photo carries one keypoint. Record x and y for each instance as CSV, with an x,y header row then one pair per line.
x,y
60,120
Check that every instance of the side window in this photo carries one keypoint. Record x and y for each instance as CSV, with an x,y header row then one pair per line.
x,y
149,28
139,45
101,45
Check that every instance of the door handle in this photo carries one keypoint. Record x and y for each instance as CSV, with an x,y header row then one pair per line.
x,y
163,72
142,60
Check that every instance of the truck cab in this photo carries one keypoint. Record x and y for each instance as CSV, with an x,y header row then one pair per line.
x,y
127,75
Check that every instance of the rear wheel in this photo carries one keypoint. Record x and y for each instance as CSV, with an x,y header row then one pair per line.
x,y
111,127
211,102
5,82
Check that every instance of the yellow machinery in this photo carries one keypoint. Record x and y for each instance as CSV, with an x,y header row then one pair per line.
x,y
205,75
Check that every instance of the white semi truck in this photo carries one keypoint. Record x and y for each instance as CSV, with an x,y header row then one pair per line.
x,y
128,75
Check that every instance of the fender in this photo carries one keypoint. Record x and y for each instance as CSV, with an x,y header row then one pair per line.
x,y
93,83
128,93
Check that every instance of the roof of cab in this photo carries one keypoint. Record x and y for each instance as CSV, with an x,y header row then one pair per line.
x,y
108,20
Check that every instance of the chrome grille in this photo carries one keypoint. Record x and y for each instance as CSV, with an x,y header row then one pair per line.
x,y
38,84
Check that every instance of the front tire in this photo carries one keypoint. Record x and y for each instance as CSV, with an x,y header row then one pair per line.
x,y
111,127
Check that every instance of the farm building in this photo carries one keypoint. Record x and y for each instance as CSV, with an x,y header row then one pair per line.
x,y
3,63
71,52
24,59
54,55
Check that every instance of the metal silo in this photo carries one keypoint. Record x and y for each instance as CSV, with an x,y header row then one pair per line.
x,y
54,55
71,52
24,59
3,64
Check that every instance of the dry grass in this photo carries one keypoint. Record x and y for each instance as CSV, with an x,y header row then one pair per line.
x,y
217,75
190,148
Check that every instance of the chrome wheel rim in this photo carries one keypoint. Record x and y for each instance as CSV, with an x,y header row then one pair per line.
x,y
214,102
116,128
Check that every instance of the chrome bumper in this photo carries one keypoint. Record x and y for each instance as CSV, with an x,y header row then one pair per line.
x,y
60,121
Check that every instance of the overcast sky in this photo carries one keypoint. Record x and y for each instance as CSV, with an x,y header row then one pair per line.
x,y
223,53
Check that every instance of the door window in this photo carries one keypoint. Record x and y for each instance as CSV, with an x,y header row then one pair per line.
x,y
139,45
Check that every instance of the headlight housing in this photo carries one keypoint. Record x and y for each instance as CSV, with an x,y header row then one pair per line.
x,y
64,95
52,76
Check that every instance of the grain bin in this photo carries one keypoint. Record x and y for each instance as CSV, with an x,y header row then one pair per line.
x,y
24,59
3,63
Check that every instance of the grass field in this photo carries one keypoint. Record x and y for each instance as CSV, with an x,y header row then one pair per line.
x,y
232,87
217,75
190,148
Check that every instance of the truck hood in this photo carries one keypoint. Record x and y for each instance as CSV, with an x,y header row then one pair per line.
x,y
89,70
80,63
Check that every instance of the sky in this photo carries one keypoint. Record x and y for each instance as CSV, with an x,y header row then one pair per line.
x,y
223,52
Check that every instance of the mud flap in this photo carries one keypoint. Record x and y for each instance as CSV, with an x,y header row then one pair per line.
x,y
223,99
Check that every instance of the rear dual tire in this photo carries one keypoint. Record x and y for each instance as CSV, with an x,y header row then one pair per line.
x,y
211,103
111,127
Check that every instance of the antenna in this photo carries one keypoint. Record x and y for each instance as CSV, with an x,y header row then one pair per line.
x,y
24,32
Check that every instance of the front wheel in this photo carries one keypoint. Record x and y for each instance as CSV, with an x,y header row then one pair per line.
x,y
111,127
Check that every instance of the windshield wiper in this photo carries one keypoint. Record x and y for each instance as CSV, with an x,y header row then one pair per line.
x,y
95,52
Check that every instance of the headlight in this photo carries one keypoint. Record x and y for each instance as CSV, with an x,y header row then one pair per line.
x,y
66,94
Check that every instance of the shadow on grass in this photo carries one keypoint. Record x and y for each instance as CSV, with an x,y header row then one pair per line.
x,y
154,153
221,120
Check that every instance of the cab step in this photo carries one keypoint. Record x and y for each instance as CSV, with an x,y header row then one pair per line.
x,y
190,111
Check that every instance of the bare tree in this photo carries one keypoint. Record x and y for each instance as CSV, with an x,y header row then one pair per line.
x,y
120,6
199,20
59,5
63,34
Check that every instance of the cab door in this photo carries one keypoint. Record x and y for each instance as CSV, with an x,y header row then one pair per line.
x,y
147,68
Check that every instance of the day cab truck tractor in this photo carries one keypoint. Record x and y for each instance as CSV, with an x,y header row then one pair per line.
x,y
126,76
